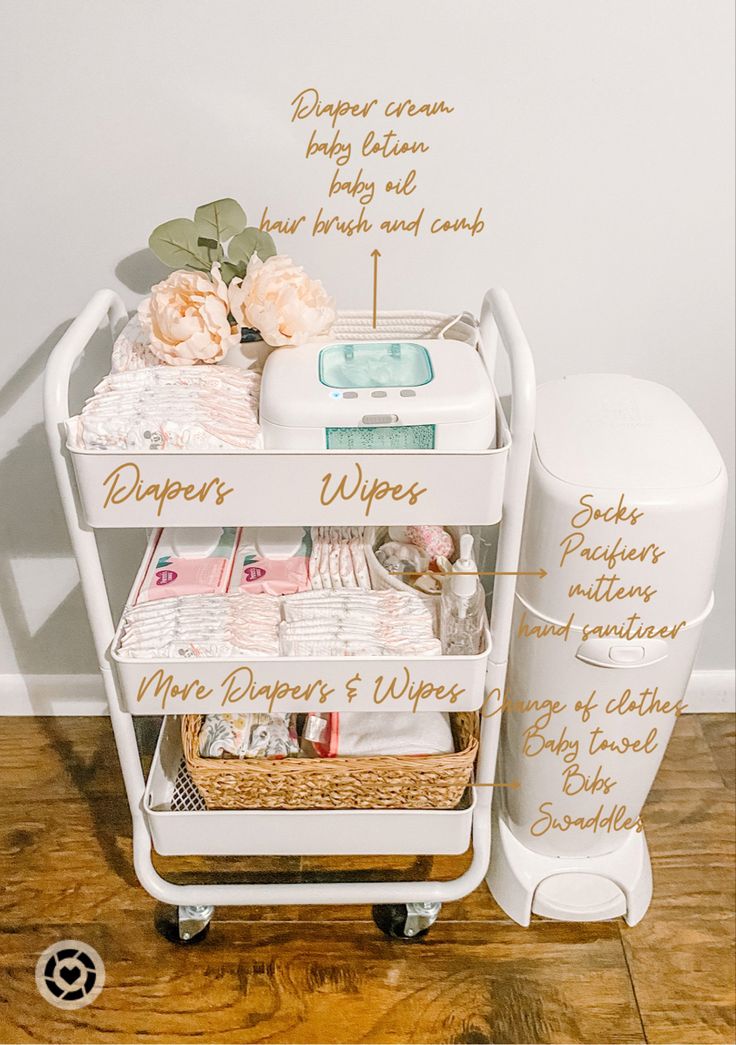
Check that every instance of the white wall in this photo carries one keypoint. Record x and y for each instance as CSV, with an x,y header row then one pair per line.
x,y
597,135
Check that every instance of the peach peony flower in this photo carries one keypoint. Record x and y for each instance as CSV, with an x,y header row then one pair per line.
x,y
186,318
279,299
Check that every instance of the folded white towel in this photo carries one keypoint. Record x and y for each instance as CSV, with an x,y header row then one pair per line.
x,y
351,733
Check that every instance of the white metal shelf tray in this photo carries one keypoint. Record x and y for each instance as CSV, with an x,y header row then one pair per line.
x,y
200,685
280,488
301,684
181,826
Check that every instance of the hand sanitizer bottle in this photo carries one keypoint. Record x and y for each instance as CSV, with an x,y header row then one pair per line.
x,y
462,606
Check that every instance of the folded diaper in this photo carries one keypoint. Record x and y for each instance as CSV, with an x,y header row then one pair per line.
x,y
338,558
357,623
353,733
172,408
216,626
251,735
131,350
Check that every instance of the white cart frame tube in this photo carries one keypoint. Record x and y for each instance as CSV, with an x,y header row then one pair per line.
x,y
498,322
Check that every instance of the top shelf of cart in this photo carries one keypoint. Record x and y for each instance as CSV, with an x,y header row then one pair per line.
x,y
300,487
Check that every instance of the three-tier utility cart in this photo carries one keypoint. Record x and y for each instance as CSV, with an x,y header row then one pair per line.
x,y
278,488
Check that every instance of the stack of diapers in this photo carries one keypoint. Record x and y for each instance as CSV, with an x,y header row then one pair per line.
x,y
349,734
251,735
202,626
173,408
338,558
357,623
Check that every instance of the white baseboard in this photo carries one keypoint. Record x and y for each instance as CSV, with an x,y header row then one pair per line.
x,y
711,691
708,691
52,695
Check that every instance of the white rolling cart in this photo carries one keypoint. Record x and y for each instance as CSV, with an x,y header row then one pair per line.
x,y
277,488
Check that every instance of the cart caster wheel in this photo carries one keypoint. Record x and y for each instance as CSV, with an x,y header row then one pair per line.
x,y
406,921
184,925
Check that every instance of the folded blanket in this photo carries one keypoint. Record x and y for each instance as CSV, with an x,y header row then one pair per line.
x,y
352,733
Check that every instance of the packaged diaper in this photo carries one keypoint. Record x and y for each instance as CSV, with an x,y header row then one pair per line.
x,y
170,575
251,735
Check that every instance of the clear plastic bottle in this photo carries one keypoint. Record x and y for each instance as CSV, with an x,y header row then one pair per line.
x,y
462,606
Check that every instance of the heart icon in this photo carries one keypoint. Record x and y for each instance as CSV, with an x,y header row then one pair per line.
x,y
165,577
69,973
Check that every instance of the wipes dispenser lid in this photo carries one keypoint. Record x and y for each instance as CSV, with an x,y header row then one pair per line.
x,y
608,441
375,364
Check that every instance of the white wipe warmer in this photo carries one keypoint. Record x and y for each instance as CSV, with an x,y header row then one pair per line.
x,y
624,511
377,395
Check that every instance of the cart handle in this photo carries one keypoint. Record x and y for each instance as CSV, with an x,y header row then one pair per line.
x,y
498,320
105,304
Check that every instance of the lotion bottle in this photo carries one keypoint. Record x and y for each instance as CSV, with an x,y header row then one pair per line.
x,y
462,605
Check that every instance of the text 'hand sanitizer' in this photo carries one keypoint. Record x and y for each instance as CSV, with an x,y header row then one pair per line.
x,y
462,607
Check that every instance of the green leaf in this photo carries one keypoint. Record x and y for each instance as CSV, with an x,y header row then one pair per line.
x,y
176,243
230,271
220,220
248,242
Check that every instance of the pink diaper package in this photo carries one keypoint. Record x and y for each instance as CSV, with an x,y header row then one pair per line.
x,y
175,570
274,561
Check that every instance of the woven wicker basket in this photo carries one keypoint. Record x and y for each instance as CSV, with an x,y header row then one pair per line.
x,y
374,782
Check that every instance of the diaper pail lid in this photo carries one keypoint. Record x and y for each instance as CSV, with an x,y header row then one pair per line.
x,y
617,431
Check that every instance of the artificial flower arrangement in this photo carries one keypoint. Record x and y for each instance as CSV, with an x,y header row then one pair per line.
x,y
229,287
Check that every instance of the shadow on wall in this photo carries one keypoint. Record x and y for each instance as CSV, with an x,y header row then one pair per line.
x,y
40,596
139,271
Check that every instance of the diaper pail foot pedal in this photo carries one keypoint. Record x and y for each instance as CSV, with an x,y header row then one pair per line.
x,y
583,889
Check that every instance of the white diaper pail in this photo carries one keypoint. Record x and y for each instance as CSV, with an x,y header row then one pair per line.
x,y
624,511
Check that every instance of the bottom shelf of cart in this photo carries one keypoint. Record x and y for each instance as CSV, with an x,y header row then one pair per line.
x,y
181,826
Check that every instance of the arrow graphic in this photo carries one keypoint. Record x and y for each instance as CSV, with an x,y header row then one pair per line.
x,y
375,254
541,572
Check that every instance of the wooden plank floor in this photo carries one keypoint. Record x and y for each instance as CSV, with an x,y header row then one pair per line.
x,y
326,974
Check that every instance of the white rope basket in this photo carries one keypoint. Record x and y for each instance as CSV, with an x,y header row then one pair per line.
x,y
358,326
